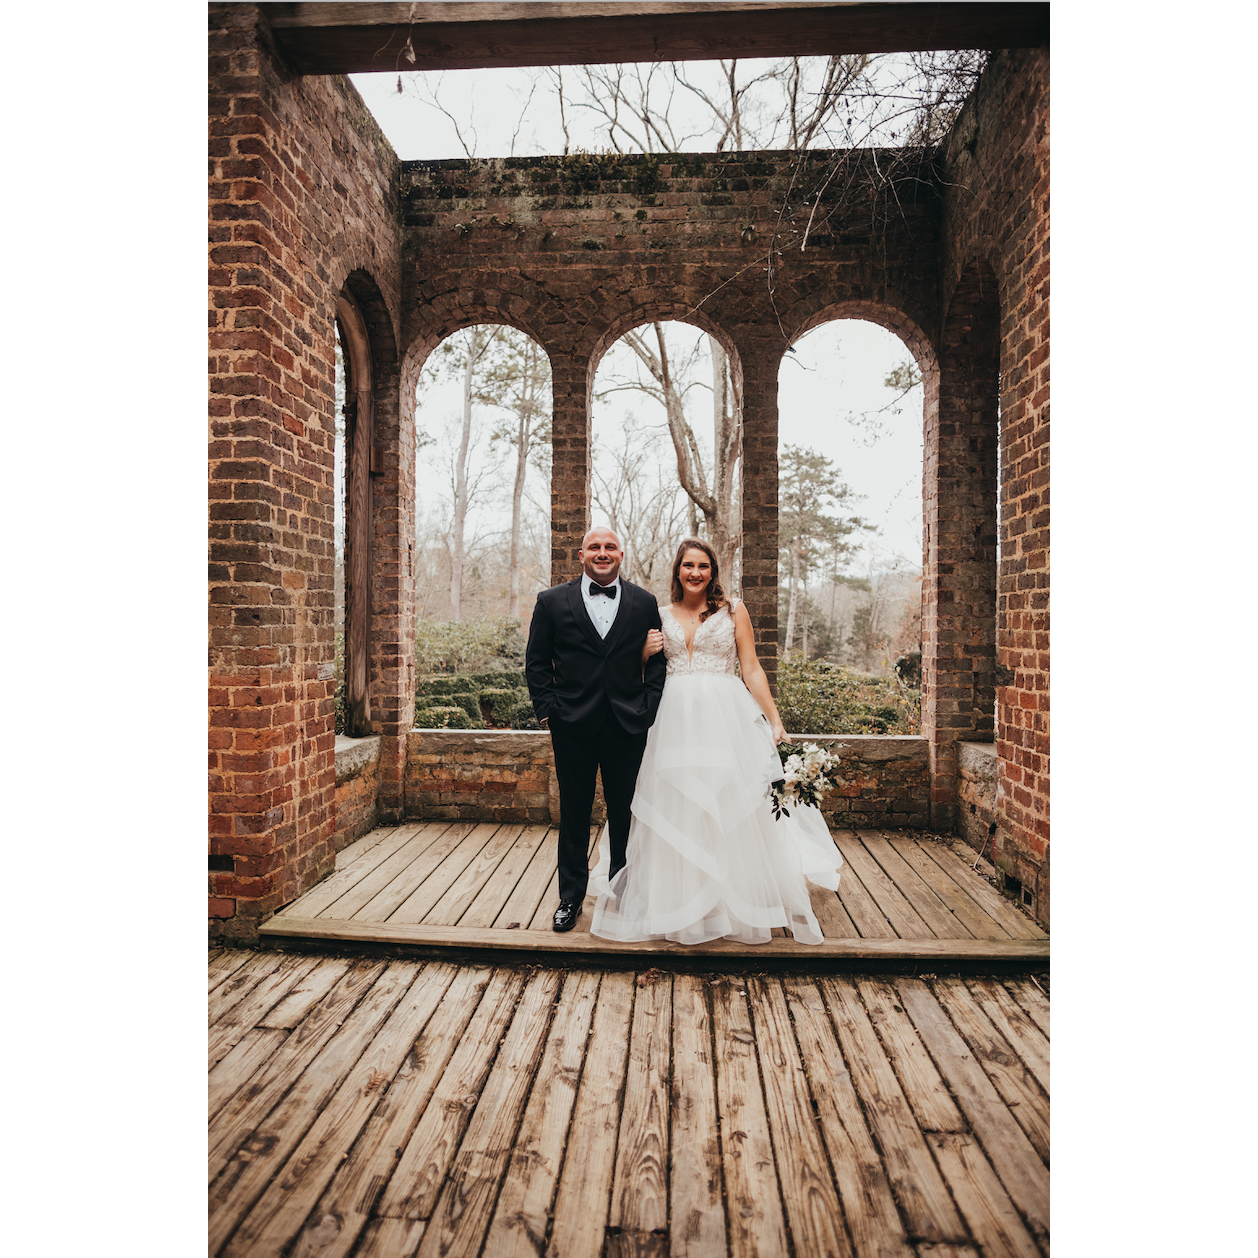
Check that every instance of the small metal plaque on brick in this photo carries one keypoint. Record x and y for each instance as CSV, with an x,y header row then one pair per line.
x,y
327,672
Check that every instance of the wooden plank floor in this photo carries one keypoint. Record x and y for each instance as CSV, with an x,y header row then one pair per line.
x,y
485,886
402,1107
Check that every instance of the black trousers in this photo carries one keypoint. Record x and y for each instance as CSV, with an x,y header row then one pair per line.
x,y
578,758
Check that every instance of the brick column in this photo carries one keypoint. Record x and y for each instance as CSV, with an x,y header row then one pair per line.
x,y
959,542
272,774
571,374
299,179
759,483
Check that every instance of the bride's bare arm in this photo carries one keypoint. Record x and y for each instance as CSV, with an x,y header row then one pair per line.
x,y
753,674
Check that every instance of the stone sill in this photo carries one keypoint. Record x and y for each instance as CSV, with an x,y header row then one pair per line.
x,y
977,761
353,755
870,747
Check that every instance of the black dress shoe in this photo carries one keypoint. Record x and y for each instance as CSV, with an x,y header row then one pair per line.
x,y
566,914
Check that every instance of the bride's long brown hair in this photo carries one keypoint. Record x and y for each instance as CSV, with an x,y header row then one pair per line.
x,y
716,595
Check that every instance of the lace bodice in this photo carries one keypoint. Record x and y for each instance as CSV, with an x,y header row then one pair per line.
x,y
714,648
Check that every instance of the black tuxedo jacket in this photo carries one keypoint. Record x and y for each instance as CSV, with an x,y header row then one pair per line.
x,y
575,677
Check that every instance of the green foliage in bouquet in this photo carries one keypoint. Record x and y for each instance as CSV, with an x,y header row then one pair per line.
x,y
805,777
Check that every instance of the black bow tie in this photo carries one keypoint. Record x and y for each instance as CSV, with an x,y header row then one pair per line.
x,y
609,590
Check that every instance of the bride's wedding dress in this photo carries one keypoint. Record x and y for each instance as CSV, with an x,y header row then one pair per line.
x,y
706,859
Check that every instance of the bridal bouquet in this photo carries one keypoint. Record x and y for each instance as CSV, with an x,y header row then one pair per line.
x,y
804,779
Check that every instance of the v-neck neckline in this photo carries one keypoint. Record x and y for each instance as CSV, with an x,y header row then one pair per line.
x,y
690,646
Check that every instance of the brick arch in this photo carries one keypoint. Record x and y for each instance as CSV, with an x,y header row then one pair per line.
x,y
609,331
447,303
357,273
960,508
423,344
892,318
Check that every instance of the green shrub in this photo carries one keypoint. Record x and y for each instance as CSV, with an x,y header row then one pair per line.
x,y
522,716
815,697
486,643
442,718
469,701
509,678
442,684
496,704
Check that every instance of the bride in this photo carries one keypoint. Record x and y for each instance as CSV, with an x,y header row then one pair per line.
x,y
706,859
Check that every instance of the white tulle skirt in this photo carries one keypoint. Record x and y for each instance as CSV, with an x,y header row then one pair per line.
x,y
706,859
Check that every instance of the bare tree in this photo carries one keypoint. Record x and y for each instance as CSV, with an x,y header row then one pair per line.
x,y
641,505
477,342
668,379
516,378
461,357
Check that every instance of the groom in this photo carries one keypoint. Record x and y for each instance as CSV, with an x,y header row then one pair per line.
x,y
589,688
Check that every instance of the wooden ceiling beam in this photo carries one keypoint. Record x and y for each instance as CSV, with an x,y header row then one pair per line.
x,y
328,38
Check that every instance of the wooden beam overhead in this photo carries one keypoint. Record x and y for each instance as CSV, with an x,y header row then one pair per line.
x,y
365,38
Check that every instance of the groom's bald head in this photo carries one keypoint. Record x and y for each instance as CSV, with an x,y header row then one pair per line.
x,y
601,555
600,528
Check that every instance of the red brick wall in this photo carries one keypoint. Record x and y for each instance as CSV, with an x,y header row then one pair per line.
x,y
299,196
996,211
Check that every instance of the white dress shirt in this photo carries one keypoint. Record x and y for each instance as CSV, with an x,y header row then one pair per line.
x,y
601,608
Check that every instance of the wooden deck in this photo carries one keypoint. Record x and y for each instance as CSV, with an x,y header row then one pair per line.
x,y
400,1107
482,889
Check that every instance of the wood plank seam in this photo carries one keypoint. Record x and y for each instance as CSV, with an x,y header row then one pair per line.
x,y
417,1197
563,1161
348,1204
865,1193
960,1125
624,1085
455,1202
660,1044
716,1109
922,897
1010,1170
874,1128
797,1048
587,1103
745,993
515,1135
874,1133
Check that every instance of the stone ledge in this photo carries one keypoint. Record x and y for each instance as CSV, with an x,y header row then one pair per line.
x,y
534,743
977,761
353,755
871,747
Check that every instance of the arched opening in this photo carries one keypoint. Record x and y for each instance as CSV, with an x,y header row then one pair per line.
x,y
851,397
482,522
359,414
666,448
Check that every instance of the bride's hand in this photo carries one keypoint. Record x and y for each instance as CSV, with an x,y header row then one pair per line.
x,y
653,645
779,731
